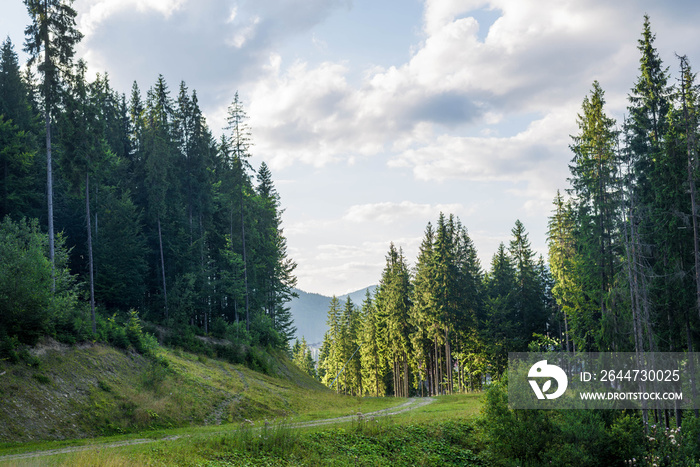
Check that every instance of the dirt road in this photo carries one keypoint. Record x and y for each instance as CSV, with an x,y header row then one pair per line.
x,y
410,404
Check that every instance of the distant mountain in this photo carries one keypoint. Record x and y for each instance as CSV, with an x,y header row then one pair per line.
x,y
358,296
310,311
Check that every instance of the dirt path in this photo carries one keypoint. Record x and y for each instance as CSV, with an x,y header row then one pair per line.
x,y
410,404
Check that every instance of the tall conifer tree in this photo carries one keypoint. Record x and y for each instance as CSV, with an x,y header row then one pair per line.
x,y
50,42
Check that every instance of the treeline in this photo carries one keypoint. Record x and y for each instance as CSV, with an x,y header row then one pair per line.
x,y
443,325
623,271
155,213
623,247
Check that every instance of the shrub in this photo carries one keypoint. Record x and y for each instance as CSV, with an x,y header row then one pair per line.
x,y
25,280
558,437
28,307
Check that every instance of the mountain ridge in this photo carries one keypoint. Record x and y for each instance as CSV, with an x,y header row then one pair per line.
x,y
310,309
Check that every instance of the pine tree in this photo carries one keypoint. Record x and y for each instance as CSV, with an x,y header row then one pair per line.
x,y
15,102
446,287
470,297
371,361
529,295
500,327
85,148
690,118
594,171
19,169
301,356
331,354
562,256
422,316
159,168
239,181
393,302
50,42
649,104
275,274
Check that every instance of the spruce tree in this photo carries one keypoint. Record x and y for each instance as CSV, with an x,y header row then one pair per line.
x,y
501,326
422,315
82,138
393,302
239,181
50,41
371,362
594,170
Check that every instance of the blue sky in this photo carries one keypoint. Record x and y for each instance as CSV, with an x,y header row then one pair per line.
x,y
375,116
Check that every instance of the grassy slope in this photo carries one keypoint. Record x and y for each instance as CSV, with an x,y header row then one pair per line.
x,y
92,390
437,434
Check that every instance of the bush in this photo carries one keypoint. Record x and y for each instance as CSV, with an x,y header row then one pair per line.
x,y
218,328
74,325
262,332
28,307
559,437
25,280
126,332
8,348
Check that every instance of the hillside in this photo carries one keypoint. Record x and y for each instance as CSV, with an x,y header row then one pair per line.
x,y
91,389
309,311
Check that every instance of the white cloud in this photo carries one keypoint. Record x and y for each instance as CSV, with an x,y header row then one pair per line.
x,y
533,60
389,213
94,12
242,36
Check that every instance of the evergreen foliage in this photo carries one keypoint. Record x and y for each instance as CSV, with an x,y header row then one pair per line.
x,y
157,216
444,326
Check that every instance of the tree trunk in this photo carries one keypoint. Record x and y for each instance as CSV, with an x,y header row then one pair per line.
x,y
566,331
49,172
448,361
691,365
4,208
162,268
692,161
49,190
405,375
376,373
90,260
245,270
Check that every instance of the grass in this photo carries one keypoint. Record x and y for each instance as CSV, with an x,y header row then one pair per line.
x,y
440,433
203,411
72,395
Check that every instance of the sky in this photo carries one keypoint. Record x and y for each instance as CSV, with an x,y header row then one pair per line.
x,y
376,115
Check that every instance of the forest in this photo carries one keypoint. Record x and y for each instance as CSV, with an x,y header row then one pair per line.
x,y
118,209
124,214
622,273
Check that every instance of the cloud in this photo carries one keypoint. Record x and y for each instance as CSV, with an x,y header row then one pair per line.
x,y
534,58
515,158
216,46
389,213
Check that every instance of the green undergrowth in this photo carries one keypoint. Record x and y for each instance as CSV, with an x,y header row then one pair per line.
x,y
91,390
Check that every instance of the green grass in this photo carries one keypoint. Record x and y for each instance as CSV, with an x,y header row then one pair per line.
x,y
440,433
454,407
94,390
93,396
